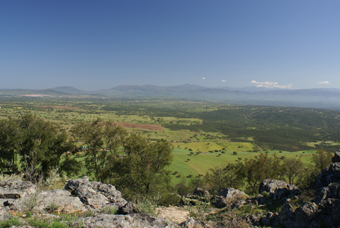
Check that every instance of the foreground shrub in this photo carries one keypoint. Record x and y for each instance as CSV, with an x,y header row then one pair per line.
x,y
30,201
10,222
147,205
169,199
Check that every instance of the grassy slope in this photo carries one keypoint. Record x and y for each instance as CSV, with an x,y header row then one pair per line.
x,y
201,163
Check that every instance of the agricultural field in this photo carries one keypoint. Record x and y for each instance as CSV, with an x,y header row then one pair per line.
x,y
203,134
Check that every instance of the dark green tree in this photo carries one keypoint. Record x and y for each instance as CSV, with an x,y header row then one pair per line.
x,y
9,144
220,178
260,168
293,167
321,159
143,169
103,140
40,145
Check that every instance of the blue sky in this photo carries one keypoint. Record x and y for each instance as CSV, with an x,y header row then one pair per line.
x,y
102,44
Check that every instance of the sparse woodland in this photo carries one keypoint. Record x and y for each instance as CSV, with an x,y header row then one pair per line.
x,y
36,149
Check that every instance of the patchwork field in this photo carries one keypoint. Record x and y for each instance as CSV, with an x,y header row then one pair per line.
x,y
204,134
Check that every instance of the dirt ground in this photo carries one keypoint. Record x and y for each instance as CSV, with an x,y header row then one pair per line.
x,y
174,214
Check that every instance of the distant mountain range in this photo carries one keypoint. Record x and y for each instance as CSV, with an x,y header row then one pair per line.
x,y
323,98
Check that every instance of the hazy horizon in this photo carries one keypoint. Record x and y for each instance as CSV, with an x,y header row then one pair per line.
x,y
93,45
212,87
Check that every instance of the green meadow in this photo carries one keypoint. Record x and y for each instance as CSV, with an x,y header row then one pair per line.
x,y
186,163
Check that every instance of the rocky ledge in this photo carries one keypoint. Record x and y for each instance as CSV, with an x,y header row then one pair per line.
x,y
79,196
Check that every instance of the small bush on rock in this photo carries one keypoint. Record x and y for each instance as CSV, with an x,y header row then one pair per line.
x,y
109,210
147,205
29,202
52,207
10,222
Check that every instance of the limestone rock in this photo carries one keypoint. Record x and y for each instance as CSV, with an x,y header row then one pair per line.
x,y
227,196
96,194
128,208
270,185
15,189
277,189
62,200
4,213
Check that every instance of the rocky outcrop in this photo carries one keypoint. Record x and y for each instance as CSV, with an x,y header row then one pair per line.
x,y
16,189
323,212
191,223
123,221
328,182
277,189
331,174
228,196
3,213
79,195
56,201
96,194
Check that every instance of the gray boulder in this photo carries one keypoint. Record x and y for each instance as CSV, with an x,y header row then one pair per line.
x,y
228,196
277,189
128,208
270,185
331,191
305,216
96,194
336,157
15,189
60,200
330,174
270,219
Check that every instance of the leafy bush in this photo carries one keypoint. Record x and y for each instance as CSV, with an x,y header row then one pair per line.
x,y
54,181
147,205
28,214
169,199
10,222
